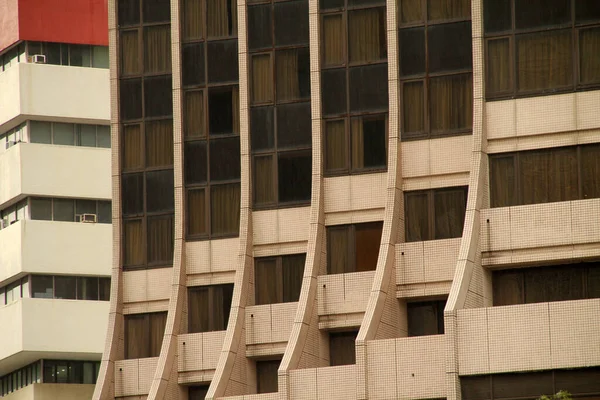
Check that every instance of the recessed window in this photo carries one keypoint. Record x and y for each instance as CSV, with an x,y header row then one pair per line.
x,y
545,284
544,176
144,334
353,248
278,279
266,376
197,392
66,287
342,349
209,307
548,51
426,317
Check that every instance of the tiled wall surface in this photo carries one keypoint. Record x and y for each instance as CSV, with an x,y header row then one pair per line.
x,y
477,340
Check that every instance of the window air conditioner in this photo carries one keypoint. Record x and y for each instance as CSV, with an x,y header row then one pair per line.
x,y
88,218
38,59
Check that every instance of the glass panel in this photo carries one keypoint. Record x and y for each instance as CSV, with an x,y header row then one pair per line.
x,y
129,12
538,13
544,60
156,10
329,4
497,15
291,23
450,207
103,136
499,70
503,191
132,194
65,287
196,212
333,40
87,288
40,132
266,376
333,91
448,9
220,112
198,309
413,104
260,33
160,239
336,146
422,318
158,98
587,11
197,392
268,285
369,88
341,348
532,385
42,287
159,191
508,288
103,292
63,134
411,10
104,212
195,162
368,239
89,375
369,142
416,216
192,70
131,99
137,336
193,19
87,135
455,36
264,182
194,114
293,271
338,250
590,171
294,125
293,74
133,243
262,78
159,143
589,50
64,210
80,55
53,53
549,175
158,322
100,57
157,49
222,61
294,176
367,35
222,18
451,103
412,51
224,159
262,125
225,209
41,209
133,147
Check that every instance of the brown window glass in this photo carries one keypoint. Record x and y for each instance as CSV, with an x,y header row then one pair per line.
x,y
448,9
225,209
336,145
132,200
132,151
209,307
262,84
222,166
266,376
196,212
435,214
332,40
291,23
590,171
197,392
367,35
456,36
426,318
129,12
264,180
158,98
294,125
193,60
342,348
130,91
294,173
144,334
540,13
260,23
222,18
224,111
159,191
368,142
497,16
195,162
133,243
222,61
157,49
129,53
159,143
160,239
292,74
192,20
589,48
587,11
333,91
412,51
65,287
194,114
499,73
278,279
503,182
372,96
353,248
413,106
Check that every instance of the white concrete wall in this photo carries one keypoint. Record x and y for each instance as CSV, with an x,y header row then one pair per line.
x,y
70,327
56,171
54,92
47,247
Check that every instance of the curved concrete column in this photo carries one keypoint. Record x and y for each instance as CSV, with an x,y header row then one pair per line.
x,y
113,347
299,353
467,291
230,375
165,376
382,315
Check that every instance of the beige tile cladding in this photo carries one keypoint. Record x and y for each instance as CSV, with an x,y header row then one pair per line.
x,y
199,351
429,261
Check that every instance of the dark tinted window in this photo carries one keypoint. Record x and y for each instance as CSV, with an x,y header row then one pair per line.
x,y
372,95
222,57
132,192
156,10
262,127
193,64
538,13
449,47
293,125
260,34
497,15
158,97
159,191
342,348
333,91
130,91
222,165
295,176
220,113
129,12
587,10
195,162
291,23
412,51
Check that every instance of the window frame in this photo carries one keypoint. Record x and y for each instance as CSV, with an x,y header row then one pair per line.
x,y
426,77
147,321
346,65
350,230
431,193
211,293
275,152
513,34
277,280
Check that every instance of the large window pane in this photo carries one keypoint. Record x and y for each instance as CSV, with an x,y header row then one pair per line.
x,y
333,40
193,114
223,113
262,126
192,70
450,207
336,146
368,239
448,9
497,15
160,239
266,376
64,210
503,191
130,92
369,88
222,61
294,173
132,194
368,142
40,132
293,125
63,134
196,212
224,159
455,36
499,69
293,271
293,74
367,35
87,288
159,191
333,91
156,11
41,209
192,19
590,171
268,287
451,103
260,33
157,49
222,18
42,287
264,180
291,23
413,107
133,145
538,13
195,162
225,209
129,12
262,79
133,243
65,287
158,98
338,250
412,51
159,143
342,348
130,55
589,53
544,60
416,207
137,336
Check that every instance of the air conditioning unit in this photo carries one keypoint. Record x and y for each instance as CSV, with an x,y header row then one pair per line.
x,y
38,59
87,218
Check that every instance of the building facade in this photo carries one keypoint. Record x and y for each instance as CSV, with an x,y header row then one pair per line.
x,y
55,197
344,199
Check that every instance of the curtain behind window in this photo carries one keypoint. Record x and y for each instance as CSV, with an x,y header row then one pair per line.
x,y
368,240
198,310
196,208
222,18
411,10
448,9
333,40
225,209
160,239
293,271
132,147
589,53
503,182
157,49
267,284
194,114
264,183
417,217
133,242
450,208
544,60
262,80
159,143
288,85
338,243
365,39
158,322
590,171
508,288
358,143
499,75
413,103
451,103
136,336
335,146
193,19
130,64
